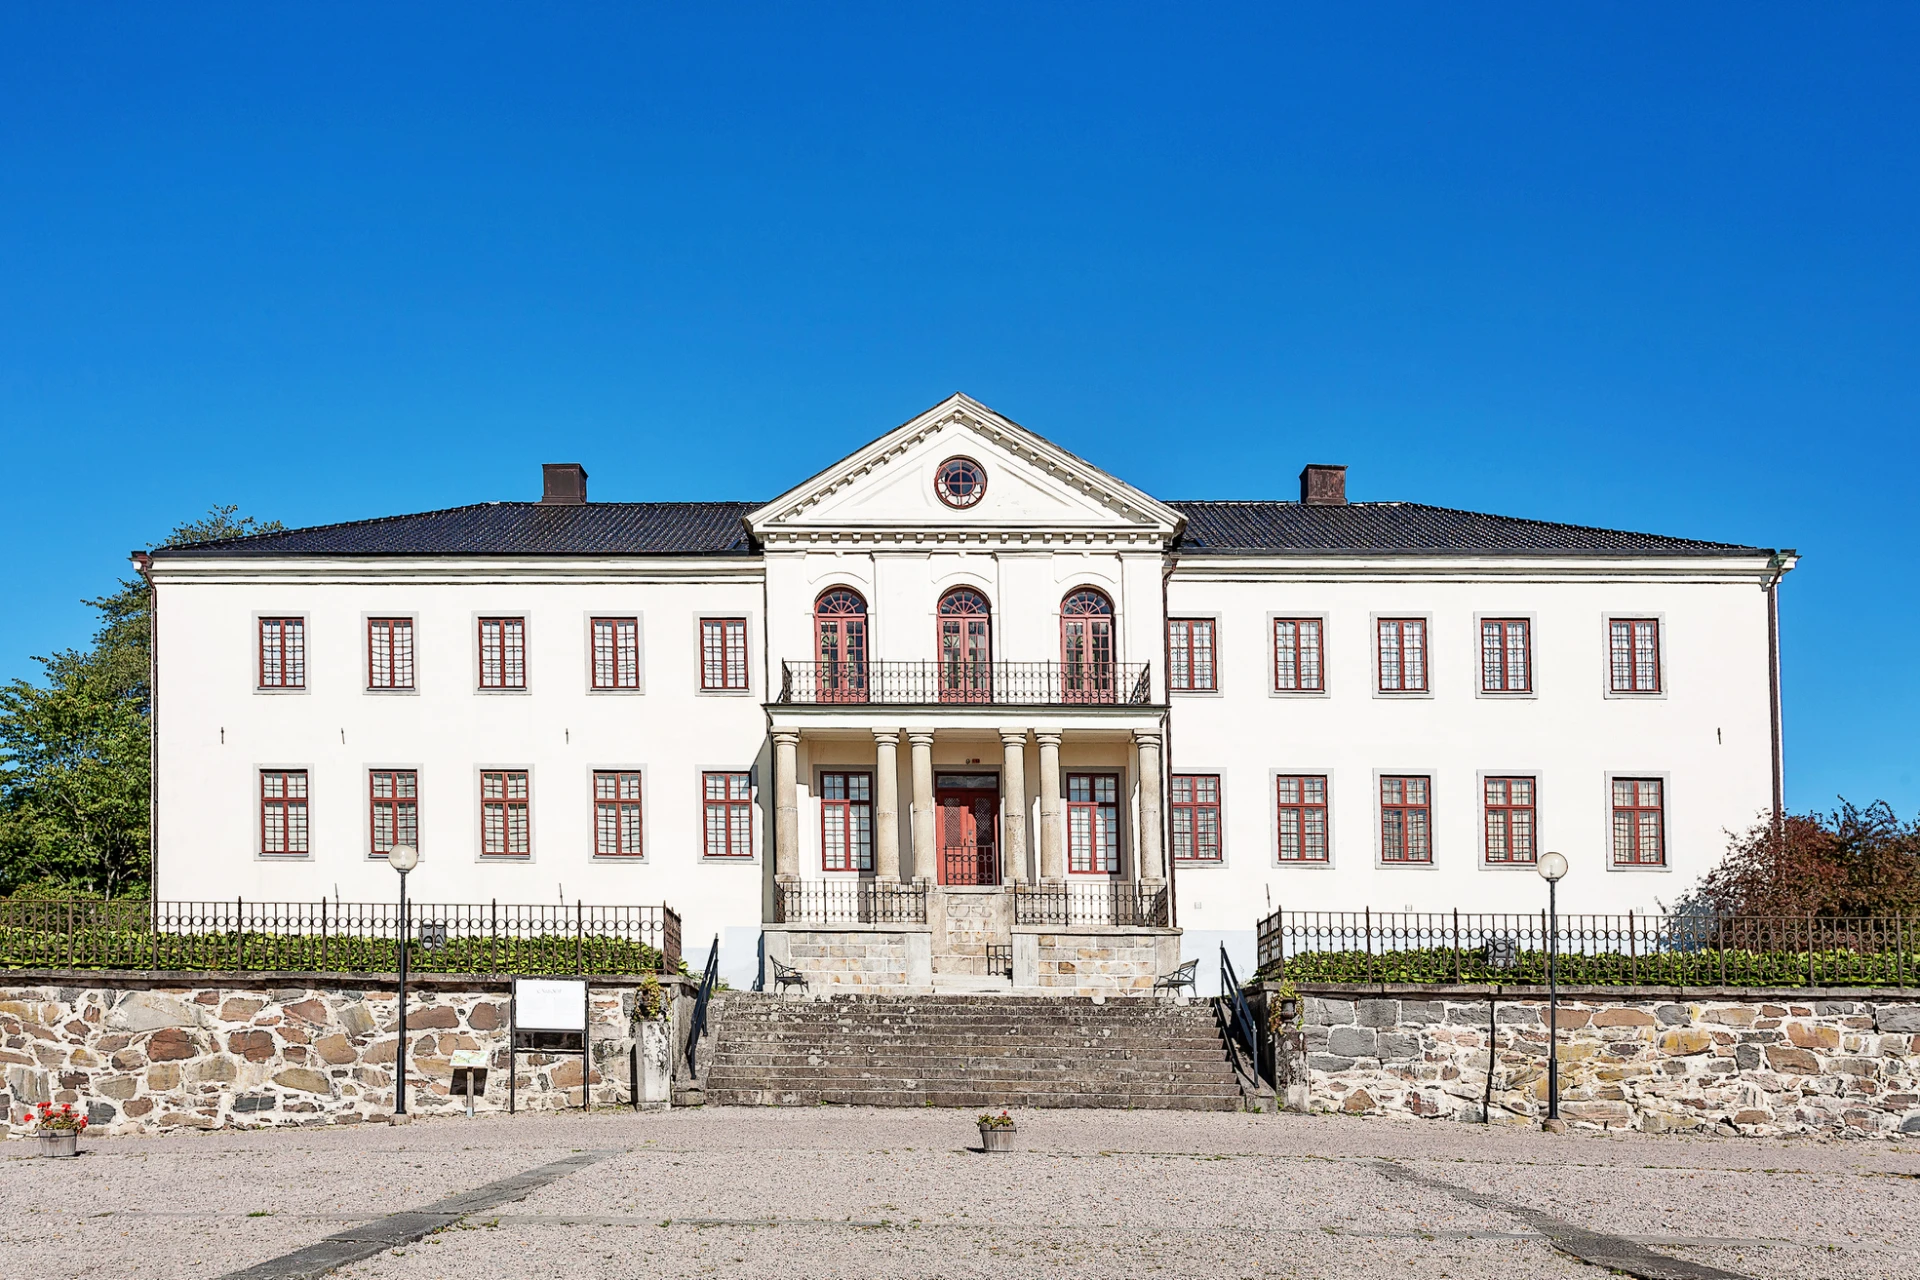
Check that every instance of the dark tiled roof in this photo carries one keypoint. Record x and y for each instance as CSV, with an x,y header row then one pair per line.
x,y
512,528
1225,528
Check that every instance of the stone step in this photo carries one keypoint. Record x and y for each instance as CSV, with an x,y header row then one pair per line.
x,y
969,1099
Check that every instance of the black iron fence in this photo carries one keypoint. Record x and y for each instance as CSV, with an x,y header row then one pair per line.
x,y
238,935
1102,902
1594,950
1030,684
850,902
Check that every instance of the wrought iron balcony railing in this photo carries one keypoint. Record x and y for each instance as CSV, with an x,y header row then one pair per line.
x,y
1022,684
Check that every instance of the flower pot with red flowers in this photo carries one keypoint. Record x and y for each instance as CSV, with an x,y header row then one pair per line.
x,y
58,1129
996,1131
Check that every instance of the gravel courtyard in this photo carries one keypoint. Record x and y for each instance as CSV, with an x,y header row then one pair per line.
x,y
800,1193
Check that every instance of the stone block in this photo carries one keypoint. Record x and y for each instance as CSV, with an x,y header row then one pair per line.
x,y
1732,1015
137,1107
248,1103
1358,1102
254,1046
171,1044
485,1016
336,1049
240,1008
439,1017
1747,1057
1897,1019
305,1080
1377,1013
130,1059
1352,1042
1328,1062
218,1069
1672,1015
119,1088
1398,1047
1422,1012
1813,1037
1684,1042
1608,1113
163,1076
151,1011
28,1085
1518,1015
1792,1061
1321,1012
101,1113
313,1010
1468,1015
1619,1017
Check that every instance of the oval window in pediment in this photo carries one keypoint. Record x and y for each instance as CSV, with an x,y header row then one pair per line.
x,y
960,482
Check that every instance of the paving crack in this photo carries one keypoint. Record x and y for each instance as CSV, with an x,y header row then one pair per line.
x,y
1617,1253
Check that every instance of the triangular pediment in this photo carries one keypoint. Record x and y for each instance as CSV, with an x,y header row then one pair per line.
x,y
1033,488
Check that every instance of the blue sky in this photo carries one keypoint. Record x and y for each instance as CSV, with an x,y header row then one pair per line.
x,y
1616,265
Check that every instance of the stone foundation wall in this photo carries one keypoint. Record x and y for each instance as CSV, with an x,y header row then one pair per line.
x,y
852,957
151,1054
1096,960
1781,1063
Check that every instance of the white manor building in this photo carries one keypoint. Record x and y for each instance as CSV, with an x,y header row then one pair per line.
x,y
956,697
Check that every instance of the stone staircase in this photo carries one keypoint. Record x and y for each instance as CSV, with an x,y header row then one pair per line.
x,y
968,1051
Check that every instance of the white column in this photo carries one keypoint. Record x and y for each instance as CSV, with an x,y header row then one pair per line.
x,y
1053,865
1153,864
1013,778
925,858
886,805
786,804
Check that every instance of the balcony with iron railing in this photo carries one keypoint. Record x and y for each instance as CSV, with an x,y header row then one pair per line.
x,y
963,684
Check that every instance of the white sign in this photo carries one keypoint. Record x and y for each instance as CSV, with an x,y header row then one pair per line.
x,y
469,1059
550,1004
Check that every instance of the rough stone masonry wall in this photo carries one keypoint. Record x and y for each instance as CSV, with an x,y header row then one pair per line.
x,y
1095,961
149,1057
853,958
1803,1063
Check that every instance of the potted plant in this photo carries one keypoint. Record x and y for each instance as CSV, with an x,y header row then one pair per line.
x,y
58,1131
996,1131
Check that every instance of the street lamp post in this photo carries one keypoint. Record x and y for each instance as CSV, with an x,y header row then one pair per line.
x,y
402,858
1552,867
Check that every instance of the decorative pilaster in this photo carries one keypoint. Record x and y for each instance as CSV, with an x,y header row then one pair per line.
x,y
1153,862
786,804
925,857
1013,780
1053,865
886,805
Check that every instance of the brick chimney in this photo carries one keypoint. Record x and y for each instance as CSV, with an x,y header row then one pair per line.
x,y
1322,485
565,484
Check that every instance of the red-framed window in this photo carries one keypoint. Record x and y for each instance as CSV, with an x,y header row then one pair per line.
x,y
728,801
1196,817
389,653
1093,824
283,812
1086,647
1506,655
846,821
840,645
283,653
616,813
1297,656
616,653
966,646
506,822
723,653
1633,650
503,653
1190,666
1510,821
1403,655
1300,808
393,809
1639,822
1406,819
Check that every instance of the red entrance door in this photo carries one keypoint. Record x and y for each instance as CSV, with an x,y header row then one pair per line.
x,y
969,825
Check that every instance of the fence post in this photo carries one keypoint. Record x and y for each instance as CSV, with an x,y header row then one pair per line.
x,y
1899,951
69,933
1369,937
1633,951
1456,946
1722,948
579,937
326,952
155,921
493,937
1809,948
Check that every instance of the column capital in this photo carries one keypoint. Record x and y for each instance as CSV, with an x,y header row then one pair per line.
x,y
1047,737
785,737
887,737
1147,737
920,737
1013,737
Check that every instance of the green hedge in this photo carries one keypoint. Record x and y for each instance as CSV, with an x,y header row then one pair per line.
x,y
1704,968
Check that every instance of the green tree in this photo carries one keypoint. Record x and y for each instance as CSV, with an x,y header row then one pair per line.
x,y
75,771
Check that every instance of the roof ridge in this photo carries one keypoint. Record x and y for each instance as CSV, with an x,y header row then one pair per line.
x,y
322,528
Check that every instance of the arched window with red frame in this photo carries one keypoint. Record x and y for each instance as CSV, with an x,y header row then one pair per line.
x,y
1086,647
966,647
840,645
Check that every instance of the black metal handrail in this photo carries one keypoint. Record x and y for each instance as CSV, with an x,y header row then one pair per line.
x,y
1099,902
1029,684
1238,1016
849,902
1628,949
697,1026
